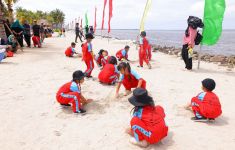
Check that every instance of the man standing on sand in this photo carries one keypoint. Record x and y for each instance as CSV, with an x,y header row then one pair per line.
x,y
27,34
78,33
36,34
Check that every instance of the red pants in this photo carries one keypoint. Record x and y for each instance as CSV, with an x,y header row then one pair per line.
x,y
36,41
142,132
143,57
150,53
70,98
90,67
129,85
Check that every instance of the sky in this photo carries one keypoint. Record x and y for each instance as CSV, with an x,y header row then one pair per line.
x,y
164,14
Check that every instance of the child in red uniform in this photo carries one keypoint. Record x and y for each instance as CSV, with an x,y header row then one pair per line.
x,y
36,41
87,55
70,51
147,125
143,51
206,105
123,53
109,74
150,52
129,78
70,93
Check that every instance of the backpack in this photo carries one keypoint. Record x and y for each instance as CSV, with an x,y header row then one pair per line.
x,y
198,38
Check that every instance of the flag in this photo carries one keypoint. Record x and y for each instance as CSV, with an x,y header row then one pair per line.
x,y
213,20
102,27
95,20
110,14
146,10
81,23
86,19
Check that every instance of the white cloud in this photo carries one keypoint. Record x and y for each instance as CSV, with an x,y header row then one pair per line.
x,y
164,14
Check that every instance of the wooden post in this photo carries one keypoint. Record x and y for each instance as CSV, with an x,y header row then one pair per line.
x,y
199,57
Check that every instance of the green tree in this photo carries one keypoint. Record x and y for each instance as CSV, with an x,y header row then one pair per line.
x,y
58,17
9,4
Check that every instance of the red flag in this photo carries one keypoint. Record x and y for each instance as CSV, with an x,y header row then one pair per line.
x,y
95,20
110,13
102,27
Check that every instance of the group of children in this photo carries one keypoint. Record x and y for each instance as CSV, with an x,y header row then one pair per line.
x,y
147,124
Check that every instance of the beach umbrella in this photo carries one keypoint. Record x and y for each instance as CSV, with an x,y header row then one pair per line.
x,y
146,10
213,21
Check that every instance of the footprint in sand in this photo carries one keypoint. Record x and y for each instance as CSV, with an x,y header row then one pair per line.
x,y
181,111
57,133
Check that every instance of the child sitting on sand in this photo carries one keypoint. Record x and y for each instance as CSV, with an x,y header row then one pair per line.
x,y
70,51
129,78
87,55
206,105
70,93
123,54
101,58
109,74
147,125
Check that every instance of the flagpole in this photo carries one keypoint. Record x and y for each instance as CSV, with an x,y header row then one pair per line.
x,y
199,57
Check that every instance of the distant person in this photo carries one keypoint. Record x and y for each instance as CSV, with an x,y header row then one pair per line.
x,y
87,53
206,105
70,51
42,34
123,54
70,94
148,122
189,41
36,35
91,29
143,51
109,74
18,30
78,33
129,79
27,34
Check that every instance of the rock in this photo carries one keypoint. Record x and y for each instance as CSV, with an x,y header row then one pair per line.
x,y
231,60
217,58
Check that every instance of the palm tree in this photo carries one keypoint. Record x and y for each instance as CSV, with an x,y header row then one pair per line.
x,y
58,17
9,4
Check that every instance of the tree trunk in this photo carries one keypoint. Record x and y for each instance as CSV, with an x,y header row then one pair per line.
x,y
10,10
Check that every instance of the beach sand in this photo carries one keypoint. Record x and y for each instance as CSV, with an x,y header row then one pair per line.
x,y
30,117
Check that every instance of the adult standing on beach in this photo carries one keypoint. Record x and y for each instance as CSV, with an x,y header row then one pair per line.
x,y
27,34
78,33
36,34
17,30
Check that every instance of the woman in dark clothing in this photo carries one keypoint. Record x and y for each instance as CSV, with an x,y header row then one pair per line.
x,y
18,30
27,35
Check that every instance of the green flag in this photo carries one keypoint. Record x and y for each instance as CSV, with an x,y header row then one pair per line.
x,y
213,20
86,19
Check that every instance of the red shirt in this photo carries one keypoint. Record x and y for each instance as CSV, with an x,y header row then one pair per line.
x,y
87,51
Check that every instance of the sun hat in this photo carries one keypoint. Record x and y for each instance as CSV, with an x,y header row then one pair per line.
x,y
141,98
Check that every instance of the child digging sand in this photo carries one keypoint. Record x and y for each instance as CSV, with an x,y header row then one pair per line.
x,y
147,125
206,105
129,78
70,51
70,93
123,54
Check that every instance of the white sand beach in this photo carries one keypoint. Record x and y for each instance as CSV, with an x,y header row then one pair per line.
x,y
31,119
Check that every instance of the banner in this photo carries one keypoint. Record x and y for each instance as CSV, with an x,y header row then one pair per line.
x,y
95,20
102,27
213,21
146,10
110,14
